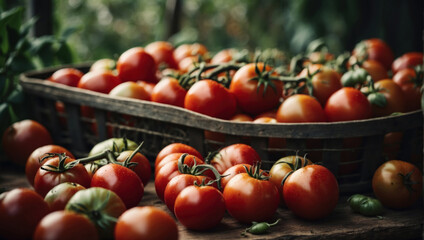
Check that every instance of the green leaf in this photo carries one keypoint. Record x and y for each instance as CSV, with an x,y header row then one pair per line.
x,y
17,96
68,32
64,54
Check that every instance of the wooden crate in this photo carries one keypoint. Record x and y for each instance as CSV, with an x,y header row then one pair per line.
x,y
352,150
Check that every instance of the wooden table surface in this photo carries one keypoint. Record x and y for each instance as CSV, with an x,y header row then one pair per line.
x,y
341,224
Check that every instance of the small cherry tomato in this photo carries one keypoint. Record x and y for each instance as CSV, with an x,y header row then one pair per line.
x,y
67,76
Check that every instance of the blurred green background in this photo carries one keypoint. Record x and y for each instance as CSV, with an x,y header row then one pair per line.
x,y
106,28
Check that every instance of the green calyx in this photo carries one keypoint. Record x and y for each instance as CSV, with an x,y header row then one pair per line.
x,y
263,77
256,172
62,165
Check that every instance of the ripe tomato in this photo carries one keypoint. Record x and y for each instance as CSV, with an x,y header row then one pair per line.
x,y
65,225
375,69
103,64
210,98
148,86
67,76
101,206
22,138
142,169
232,171
122,181
20,211
347,104
136,64
410,84
99,81
311,192
130,90
281,168
407,60
252,96
394,97
34,161
146,222
224,56
58,196
186,50
177,148
163,54
59,170
397,184
169,91
199,207
249,198
234,154
374,49
300,108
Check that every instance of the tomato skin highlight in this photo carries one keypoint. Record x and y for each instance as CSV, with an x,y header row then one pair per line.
x,y
136,64
99,81
67,76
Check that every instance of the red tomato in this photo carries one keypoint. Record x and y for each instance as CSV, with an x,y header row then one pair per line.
x,y
99,81
210,98
172,157
374,49
146,222
162,52
186,50
347,104
397,184
59,170
34,160
67,76
142,169
199,207
22,138
300,108
311,192
234,154
224,56
232,171
65,225
130,90
148,86
410,84
249,199
103,64
122,181
375,69
101,206
58,196
178,183
394,97
407,60
177,148
20,211
136,64
169,91
252,96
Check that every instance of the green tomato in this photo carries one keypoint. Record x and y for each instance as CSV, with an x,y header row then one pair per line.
x,y
114,144
366,206
355,202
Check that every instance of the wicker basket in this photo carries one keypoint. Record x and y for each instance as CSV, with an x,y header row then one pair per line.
x,y
351,150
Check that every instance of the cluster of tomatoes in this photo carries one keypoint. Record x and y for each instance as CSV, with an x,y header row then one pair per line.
x,y
237,85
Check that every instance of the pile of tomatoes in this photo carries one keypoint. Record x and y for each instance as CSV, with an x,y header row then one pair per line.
x,y
238,85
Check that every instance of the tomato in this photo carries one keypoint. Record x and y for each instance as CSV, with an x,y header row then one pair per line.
x,y
142,169
58,196
146,222
122,181
232,171
259,95
178,183
35,160
374,49
20,211
391,145
188,63
347,104
397,184
163,54
130,90
241,117
176,148
99,81
199,207
101,206
375,69
251,198
186,50
224,56
121,144
234,154
172,157
300,108
407,60
395,100
311,192
169,91
410,84
364,205
148,86
58,170
103,64
281,168
67,76
65,225
172,169
324,83
210,98
22,138
136,64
